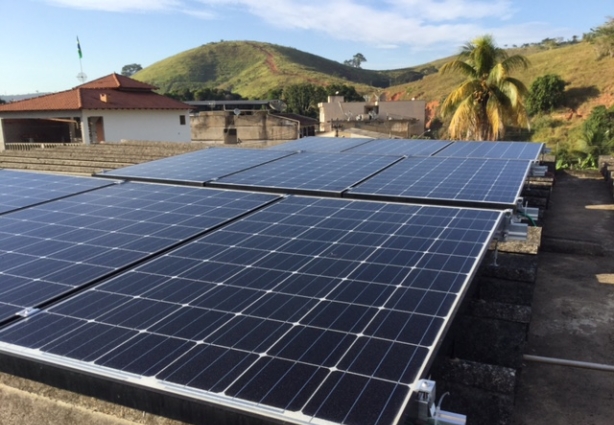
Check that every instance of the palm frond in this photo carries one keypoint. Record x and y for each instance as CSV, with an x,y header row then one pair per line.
x,y
515,62
461,93
460,67
462,121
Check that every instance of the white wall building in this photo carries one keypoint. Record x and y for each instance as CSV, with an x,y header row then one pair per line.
x,y
109,109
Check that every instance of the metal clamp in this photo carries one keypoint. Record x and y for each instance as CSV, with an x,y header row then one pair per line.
x,y
427,413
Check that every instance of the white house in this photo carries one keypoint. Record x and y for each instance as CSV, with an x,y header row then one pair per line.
x,y
110,109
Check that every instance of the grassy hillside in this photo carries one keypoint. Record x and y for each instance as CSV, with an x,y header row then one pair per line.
x,y
252,69
590,83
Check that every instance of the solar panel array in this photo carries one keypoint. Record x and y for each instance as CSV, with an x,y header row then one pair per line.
x,y
197,167
49,250
400,147
500,150
309,172
320,144
296,309
21,189
309,309
460,181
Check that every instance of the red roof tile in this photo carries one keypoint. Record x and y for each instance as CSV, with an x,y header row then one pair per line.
x,y
116,81
120,92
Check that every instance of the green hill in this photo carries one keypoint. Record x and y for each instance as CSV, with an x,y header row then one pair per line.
x,y
251,69
590,83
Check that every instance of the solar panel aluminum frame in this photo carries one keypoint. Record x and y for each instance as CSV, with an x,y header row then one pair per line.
x,y
445,152
184,182
30,310
52,198
217,184
18,359
466,203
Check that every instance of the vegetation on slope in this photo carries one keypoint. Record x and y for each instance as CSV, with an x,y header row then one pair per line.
x,y
252,69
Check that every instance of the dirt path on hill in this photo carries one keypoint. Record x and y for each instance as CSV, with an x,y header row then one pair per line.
x,y
573,310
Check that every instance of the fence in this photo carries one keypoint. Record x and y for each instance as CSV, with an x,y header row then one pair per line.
x,y
32,146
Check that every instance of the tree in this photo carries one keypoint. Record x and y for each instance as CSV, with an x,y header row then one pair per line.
x,y
602,38
349,93
547,92
130,70
356,60
488,99
303,98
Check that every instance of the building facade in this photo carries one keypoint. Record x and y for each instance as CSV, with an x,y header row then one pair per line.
x,y
402,118
108,109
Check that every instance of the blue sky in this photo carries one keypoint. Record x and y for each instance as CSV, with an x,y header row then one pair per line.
x,y
39,51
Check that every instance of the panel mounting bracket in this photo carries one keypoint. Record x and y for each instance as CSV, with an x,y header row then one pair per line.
x,y
525,211
427,412
538,170
28,312
511,228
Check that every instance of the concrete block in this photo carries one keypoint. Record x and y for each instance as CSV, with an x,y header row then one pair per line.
x,y
505,291
501,311
492,341
517,267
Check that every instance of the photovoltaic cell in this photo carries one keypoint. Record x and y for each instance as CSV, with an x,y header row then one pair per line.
x,y
499,150
308,172
51,249
20,189
280,313
400,147
320,144
196,168
461,181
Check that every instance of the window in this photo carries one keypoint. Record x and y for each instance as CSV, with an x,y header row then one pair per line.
x,y
182,119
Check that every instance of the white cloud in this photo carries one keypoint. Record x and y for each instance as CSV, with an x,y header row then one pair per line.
x,y
416,23
450,10
119,5
387,24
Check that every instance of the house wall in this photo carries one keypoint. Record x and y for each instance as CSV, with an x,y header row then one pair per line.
x,y
150,125
209,126
1,135
358,111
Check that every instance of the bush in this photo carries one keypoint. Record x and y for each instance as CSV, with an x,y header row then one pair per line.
x,y
547,92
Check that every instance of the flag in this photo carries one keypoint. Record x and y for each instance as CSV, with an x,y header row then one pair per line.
x,y
79,49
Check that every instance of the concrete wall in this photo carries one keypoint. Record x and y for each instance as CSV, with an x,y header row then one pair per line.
x,y
258,126
148,125
1,135
388,111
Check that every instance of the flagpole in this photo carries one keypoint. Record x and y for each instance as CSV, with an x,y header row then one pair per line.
x,y
81,76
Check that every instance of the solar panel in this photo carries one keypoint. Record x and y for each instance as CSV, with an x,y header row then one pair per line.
x,y
20,189
501,150
49,250
308,173
195,168
310,310
320,144
451,181
400,147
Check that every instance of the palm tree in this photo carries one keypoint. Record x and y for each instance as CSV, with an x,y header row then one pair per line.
x,y
488,99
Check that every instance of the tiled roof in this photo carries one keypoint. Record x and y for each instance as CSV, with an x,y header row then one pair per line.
x,y
111,92
116,81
